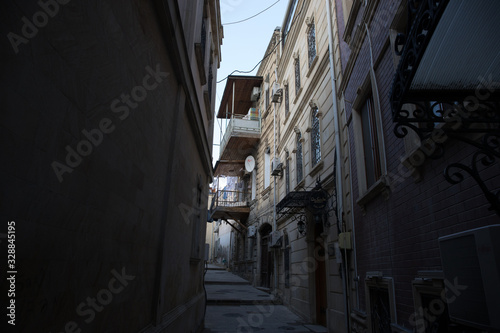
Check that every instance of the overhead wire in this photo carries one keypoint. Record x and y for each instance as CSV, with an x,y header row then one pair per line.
x,y
251,17
267,55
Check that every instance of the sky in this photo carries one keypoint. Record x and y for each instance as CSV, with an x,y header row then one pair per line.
x,y
245,43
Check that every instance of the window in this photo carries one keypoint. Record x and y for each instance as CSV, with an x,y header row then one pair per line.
x,y
254,184
203,37
299,158
370,142
311,43
286,261
195,220
297,75
315,137
267,90
287,101
210,81
289,19
380,310
431,308
287,173
267,168
380,302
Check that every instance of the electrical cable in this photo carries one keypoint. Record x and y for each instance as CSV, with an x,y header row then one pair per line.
x,y
251,17
267,55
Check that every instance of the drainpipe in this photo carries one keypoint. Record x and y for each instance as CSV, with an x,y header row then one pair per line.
x,y
336,123
275,227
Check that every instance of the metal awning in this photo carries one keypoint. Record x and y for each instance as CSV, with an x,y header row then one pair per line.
x,y
447,84
465,46
450,56
241,88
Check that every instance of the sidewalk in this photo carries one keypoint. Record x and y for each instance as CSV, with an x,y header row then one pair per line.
x,y
233,305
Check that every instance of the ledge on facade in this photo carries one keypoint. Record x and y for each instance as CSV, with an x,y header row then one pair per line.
x,y
266,191
297,96
300,184
313,64
381,186
358,320
286,117
318,167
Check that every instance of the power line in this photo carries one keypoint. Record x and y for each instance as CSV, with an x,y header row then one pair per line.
x,y
251,17
271,52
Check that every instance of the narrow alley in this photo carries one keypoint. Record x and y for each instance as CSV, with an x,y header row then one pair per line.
x,y
233,305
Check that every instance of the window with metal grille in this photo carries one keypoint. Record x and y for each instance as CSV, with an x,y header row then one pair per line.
x,y
287,101
203,37
311,43
297,75
380,310
370,142
315,137
287,173
299,158
210,81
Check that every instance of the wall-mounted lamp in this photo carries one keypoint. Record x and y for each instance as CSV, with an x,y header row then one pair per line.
x,y
301,226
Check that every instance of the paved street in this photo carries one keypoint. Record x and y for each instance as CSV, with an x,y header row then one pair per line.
x,y
235,306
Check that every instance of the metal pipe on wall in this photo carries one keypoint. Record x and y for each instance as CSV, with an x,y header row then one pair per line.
x,y
338,176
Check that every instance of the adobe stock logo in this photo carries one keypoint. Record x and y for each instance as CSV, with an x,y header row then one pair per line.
x,y
50,8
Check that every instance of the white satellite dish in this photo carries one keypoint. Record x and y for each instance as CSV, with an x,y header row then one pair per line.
x,y
249,163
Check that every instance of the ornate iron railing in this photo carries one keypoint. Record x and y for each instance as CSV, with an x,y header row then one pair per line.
x,y
224,198
438,116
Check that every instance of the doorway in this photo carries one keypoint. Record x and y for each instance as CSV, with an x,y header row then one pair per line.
x,y
266,258
320,276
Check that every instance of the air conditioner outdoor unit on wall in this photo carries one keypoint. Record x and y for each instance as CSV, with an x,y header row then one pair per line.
x,y
277,93
276,166
275,239
471,266
255,94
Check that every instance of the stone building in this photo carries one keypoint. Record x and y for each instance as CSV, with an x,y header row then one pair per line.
x,y
283,145
107,122
419,91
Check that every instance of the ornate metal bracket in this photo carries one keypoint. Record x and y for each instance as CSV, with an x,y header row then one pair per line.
x,y
444,113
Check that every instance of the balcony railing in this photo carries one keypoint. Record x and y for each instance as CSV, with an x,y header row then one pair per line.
x,y
225,198
241,126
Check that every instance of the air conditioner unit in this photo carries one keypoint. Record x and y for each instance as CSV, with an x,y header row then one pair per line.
x,y
252,231
277,93
471,266
276,166
275,239
255,94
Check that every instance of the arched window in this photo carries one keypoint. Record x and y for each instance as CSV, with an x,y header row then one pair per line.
x,y
300,174
311,43
315,137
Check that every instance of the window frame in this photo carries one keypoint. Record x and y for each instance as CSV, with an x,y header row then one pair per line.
x,y
267,168
367,193
380,283
297,76
311,41
315,136
299,162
